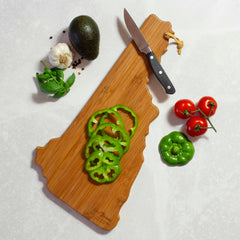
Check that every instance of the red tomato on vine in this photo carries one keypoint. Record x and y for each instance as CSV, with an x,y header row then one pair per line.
x,y
196,126
207,105
184,108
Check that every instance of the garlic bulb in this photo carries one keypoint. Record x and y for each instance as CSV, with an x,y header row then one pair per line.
x,y
60,56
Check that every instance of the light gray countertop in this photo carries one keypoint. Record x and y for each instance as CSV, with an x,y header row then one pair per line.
x,y
194,202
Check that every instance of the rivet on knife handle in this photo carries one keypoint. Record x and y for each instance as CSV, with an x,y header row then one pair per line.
x,y
160,73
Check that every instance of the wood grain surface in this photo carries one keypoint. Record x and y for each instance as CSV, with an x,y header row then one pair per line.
x,y
62,159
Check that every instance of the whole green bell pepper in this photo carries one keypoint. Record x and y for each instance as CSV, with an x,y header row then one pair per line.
x,y
176,149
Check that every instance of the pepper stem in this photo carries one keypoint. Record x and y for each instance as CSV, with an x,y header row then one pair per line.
x,y
175,150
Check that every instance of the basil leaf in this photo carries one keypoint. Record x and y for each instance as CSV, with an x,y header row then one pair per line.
x,y
70,81
42,77
47,70
50,86
59,94
59,73
51,81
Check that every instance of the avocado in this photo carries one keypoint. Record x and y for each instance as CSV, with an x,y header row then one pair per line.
x,y
84,36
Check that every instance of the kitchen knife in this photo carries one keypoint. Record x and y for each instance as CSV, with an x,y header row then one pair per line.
x,y
145,48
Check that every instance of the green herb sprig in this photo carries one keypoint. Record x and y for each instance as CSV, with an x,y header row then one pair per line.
x,y
52,82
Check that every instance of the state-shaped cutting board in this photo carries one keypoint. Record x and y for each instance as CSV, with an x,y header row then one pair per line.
x,y
62,159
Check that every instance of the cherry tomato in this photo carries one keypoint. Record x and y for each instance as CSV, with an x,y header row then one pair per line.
x,y
196,126
184,108
207,105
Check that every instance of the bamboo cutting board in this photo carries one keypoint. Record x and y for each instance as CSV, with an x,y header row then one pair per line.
x,y
62,159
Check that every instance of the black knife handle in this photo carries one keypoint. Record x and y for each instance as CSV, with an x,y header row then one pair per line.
x,y
160,73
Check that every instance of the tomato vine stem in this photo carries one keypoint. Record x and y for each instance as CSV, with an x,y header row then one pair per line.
x,y
207,118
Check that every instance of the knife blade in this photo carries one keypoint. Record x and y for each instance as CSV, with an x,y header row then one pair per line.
x,y
144,47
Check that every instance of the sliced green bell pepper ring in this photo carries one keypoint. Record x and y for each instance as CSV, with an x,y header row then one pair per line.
x,y
124,139
106,173
105,113
108,142
176,149
104,144
98,159
94,161
103,166
110,159
123,107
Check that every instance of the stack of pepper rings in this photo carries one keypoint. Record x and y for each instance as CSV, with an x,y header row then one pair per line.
x,y
105,149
